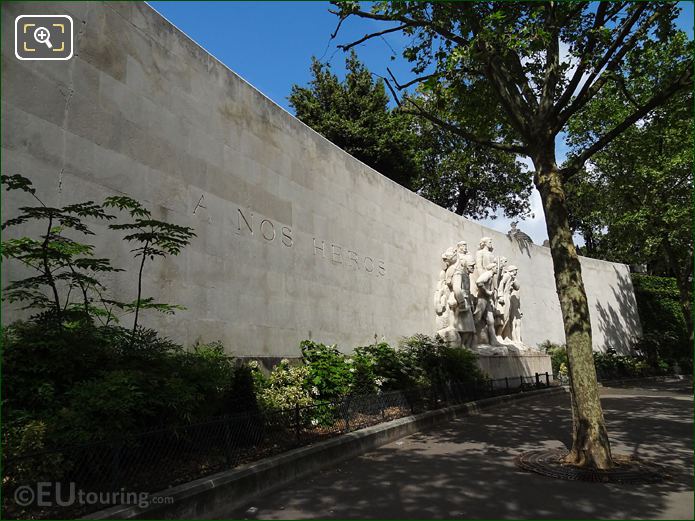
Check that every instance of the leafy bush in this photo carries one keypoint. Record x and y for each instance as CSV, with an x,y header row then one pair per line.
x,y
664,329
288,387
558,354
88,383
379,368
240,397
329,370
610,365
431,362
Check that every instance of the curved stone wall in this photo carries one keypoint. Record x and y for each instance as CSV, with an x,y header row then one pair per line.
x,y
296,238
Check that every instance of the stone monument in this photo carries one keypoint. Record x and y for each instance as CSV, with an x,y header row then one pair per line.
x,y
478,306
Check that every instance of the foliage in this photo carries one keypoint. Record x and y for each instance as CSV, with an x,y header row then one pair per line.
x,y
57,259
634,204
329,370
241,397
468,179
89,383
558,354
64,265
288,387
354,115
154,238
610,365
30,437
429,361
379,366
664,331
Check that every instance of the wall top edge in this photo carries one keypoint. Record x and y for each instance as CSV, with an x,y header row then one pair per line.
x,y
447,214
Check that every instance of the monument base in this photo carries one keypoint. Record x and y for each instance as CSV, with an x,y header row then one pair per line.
x,y
514,366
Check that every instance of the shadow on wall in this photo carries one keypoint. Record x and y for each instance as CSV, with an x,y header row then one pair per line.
x,y
523,245
465,469
619,323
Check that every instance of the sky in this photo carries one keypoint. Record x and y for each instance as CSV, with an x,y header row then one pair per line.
x,y
270,45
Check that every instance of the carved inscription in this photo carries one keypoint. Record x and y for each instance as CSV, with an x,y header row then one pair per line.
x,y
267,229
247,223
337,254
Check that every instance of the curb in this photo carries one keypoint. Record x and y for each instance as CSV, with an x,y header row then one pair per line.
x,y
212,495
662,378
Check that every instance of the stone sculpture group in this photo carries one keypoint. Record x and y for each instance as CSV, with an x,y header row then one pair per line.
x,y
477,301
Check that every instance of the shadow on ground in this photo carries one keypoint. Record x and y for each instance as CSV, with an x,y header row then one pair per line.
x,y
465,469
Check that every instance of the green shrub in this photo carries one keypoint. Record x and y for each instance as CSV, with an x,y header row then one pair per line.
x,y
288,387
240,397
329,370
428,361
364,378
87,383
26,437
460,365
386,366
557,352
664,329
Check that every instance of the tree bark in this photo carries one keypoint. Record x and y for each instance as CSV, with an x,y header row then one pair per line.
x,y
590,445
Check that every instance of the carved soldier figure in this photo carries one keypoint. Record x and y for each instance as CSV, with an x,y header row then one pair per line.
x,y
483,257
461,283
453,302
441,293
462,250
484,315
506,300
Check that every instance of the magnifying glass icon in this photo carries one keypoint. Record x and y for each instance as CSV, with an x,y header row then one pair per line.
x,y
42,35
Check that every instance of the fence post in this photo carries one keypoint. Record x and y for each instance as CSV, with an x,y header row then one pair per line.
x,y
547,379
116,465
296,421
506,384
538,380
228,443
346,416
521,383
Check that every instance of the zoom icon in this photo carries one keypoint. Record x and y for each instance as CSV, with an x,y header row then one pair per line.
x,y
43,37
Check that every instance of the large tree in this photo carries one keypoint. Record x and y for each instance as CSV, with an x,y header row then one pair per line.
x,y
640,191
469,179
540,64
355,115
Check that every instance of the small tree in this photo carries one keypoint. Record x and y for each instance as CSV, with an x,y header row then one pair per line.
x,y
59,261
155,238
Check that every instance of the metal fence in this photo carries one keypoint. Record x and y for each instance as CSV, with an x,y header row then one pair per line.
x,y
153,461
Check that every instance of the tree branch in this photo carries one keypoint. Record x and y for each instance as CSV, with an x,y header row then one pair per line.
x,y
366,37
411,82
552,62
620,81
505,147
684,81
597,79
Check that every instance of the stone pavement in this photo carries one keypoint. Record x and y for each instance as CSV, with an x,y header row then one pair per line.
x,y
465,469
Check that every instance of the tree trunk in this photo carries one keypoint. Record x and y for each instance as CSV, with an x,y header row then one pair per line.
x,y
590,445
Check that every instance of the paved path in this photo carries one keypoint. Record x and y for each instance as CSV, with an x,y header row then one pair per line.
x,y
465,469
